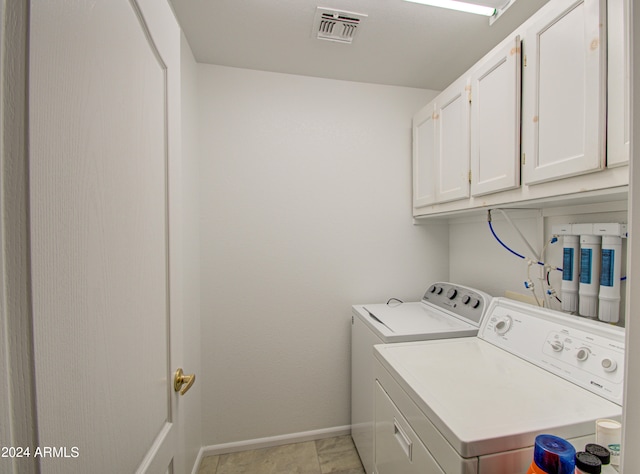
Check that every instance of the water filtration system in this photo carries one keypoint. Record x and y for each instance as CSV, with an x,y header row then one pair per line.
x,y
591,267
591,273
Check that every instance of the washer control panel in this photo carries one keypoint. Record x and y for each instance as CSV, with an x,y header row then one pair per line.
x,y
585,352
466,303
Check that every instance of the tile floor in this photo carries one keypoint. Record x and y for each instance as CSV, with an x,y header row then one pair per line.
x,y
332,455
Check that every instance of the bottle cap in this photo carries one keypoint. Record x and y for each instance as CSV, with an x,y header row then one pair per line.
x,y
600,452
554,454
588,463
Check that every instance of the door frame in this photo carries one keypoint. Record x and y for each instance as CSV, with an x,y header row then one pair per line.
x,y
17,412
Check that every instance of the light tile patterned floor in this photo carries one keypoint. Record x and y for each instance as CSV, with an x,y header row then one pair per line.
x,y
324,456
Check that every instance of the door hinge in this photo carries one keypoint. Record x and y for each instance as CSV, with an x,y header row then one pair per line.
x,y
524,159
469,176
470,94
524,60
352,319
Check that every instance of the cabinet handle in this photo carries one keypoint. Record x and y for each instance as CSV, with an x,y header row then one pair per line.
x,y
403,440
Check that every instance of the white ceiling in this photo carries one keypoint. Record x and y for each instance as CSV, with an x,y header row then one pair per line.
x,y
400,43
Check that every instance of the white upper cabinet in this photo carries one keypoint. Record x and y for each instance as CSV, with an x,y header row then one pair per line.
x,y
564,91
618,91
441,148
544,117
452,142
495,121
424,153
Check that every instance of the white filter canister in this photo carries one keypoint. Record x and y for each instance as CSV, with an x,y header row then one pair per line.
x,y
611,262
570,275
609,435
589,275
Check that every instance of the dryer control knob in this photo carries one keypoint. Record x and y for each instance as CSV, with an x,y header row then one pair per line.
x,y
503,326
475,302
432,289
583,354
466,299
609,365
439,290
451,294
557,346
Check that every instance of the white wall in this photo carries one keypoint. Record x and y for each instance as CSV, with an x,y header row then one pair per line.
x,y
305,210
191,405
479,261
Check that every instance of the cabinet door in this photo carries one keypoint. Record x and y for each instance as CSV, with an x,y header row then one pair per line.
x,y
452,142
398,450
495,122
424,156
564,83
618,82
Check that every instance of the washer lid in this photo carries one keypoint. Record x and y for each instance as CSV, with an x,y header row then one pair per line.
x,y
412,322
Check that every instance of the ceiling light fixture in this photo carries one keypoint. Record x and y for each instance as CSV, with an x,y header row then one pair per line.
x,y
500,10
460,6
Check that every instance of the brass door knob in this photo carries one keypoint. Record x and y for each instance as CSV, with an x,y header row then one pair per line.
x,y
181,379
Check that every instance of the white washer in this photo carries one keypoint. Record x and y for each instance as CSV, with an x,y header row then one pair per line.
x,y
447,310
475,405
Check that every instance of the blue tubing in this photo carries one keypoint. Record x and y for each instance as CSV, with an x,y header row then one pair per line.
x,y
503,244
510,250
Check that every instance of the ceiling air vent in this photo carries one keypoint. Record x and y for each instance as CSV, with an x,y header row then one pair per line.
x,y
336,25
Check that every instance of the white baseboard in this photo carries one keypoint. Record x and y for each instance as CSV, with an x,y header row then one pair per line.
x,y
269,442
196,465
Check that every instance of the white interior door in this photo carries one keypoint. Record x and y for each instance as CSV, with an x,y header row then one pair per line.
x,y
101,140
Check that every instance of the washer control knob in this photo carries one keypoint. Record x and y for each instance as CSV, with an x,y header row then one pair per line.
x,y
475,302
557,345
439,290
451,294
432,289
466,299
609,365
503,326
583,354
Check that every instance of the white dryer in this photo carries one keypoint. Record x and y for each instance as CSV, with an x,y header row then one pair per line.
x,y
447,310
475,405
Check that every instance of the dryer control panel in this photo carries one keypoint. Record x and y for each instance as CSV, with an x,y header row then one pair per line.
x,y
585,352
465,303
